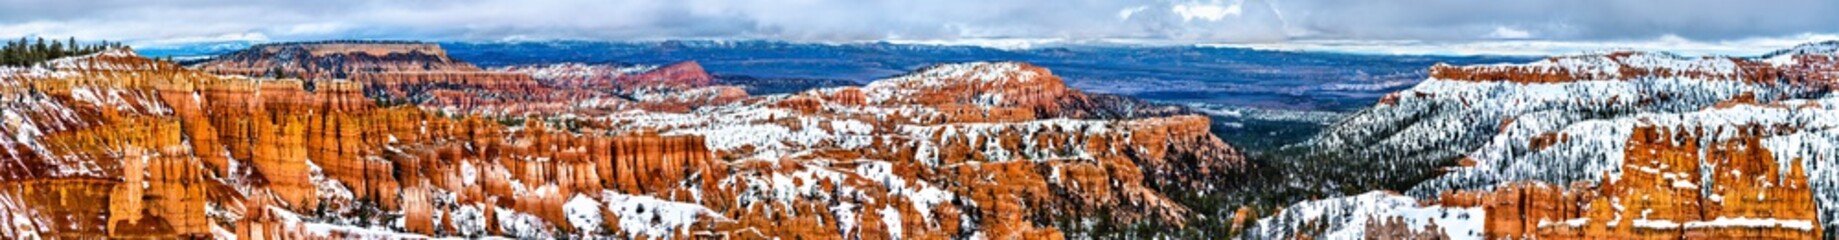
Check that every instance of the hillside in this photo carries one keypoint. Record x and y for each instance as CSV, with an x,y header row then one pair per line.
x,y
1734,144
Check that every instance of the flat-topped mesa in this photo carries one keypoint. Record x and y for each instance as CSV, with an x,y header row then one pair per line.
x,y
1001,90
681,75
677,87
413,72
118,59
576,75
1809,65
987,84
617,77
335,59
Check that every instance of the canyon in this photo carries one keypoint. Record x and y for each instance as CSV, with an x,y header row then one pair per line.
x,y
352,139
392,140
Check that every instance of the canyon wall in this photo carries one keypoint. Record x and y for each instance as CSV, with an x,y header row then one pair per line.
x,y
1663,196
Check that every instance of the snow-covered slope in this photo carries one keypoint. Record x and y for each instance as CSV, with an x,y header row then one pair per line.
x,y
1351,217
1568,118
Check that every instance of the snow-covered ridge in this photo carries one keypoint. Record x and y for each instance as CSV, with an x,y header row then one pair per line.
x,y
1788,65
1488,116
117,59
986,80
1596,66
1828,48
576,70
975,72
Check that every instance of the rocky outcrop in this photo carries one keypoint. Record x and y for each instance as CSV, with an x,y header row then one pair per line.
x,y
1662,196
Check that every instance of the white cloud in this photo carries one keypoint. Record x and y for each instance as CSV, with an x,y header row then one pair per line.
x,y
1674,44
1504,32
231,37
1212,12
314,29
1127,12
1190,21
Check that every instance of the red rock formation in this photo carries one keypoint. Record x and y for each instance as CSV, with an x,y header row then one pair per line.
x,y
1658,195
182,154
678,76
1810,70
331,60
682,75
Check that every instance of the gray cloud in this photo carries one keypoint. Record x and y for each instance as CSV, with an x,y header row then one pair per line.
x,y
180,21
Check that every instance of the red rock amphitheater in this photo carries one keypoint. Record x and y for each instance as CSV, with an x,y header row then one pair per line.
x,y
400,141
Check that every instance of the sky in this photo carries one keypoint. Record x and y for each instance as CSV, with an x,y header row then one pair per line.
x,y
1434,26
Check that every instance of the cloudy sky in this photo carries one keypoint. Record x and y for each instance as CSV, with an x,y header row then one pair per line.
x,y
1281,23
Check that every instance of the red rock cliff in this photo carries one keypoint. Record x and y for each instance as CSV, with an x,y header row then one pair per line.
x,y
1659,194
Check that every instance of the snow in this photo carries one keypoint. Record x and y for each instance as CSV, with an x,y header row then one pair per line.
x,y
469,220
468,174
948,134
576,70
326,230
583,213
85,95
1491,122
354,232
328,188
902,87
520,225
21,220
845,213
653,217
25,132
921,193
1655,224
1574,223
1595,144
1744,222
891,219
1346,217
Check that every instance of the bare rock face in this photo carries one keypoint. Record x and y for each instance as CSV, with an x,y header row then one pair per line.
x,y
119,146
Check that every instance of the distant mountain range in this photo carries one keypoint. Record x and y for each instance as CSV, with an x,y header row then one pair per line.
x,y
1215,75
1224,79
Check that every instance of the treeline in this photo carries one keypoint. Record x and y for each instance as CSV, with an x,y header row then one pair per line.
x,y
24,52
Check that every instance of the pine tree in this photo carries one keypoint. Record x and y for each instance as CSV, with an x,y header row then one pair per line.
x,y
27,51
39,51
56,50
